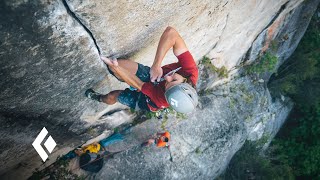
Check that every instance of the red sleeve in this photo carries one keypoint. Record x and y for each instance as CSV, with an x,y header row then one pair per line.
x,y
189,67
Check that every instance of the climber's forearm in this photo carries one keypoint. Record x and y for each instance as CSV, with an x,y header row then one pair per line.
x,y
166,42
130,79
170,38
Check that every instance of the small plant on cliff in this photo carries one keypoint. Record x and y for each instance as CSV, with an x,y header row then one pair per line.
x,y
265,63
222,72
164,113
198,151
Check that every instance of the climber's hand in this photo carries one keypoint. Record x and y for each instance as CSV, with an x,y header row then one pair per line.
x,y
110,62
155,73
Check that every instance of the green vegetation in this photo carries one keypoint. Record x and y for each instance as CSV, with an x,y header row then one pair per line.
x,y
198,151
222,72
204,92
245,93
248,118
295,151
265,63
298,144
151,114
262,141
164,123
181,116
164,115
248,163
275,44
232,103
299,77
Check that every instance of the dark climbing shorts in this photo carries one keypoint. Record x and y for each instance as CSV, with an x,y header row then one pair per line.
x,y
133,99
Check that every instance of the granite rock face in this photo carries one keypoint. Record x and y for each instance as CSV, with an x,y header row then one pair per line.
x,y
205,142
49,53
47,61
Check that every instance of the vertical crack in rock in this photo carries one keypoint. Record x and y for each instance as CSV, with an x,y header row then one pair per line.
x,y
225,4
72,14
277,15
222,30
247,55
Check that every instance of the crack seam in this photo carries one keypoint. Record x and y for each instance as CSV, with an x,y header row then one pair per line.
x,y
73,15
224,27
247,54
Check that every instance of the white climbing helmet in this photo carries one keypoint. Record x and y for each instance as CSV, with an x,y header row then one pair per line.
x,y
182,97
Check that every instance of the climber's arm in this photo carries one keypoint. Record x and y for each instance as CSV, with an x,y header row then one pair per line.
x,y
170,38
130,79
123,74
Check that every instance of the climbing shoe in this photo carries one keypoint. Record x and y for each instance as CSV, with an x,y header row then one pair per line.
x,y
91,94
144,144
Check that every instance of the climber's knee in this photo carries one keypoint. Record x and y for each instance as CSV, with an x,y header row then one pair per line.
x,y
111,97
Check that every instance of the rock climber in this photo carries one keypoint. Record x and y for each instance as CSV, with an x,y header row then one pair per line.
x,y
161,140
155,88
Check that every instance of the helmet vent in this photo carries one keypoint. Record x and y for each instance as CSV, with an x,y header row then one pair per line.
x,y
182,94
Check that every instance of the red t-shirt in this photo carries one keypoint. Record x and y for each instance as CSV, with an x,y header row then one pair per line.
x,y
156,92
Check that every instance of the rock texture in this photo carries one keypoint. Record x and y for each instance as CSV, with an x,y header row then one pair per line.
x,y
204,143
49,53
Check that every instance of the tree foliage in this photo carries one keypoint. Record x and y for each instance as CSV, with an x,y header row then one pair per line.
x,y
295,152
266,63
297,144
299,77
248,163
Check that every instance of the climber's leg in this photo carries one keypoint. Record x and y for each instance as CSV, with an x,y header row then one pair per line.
x,y
111,97
141,71
126,97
